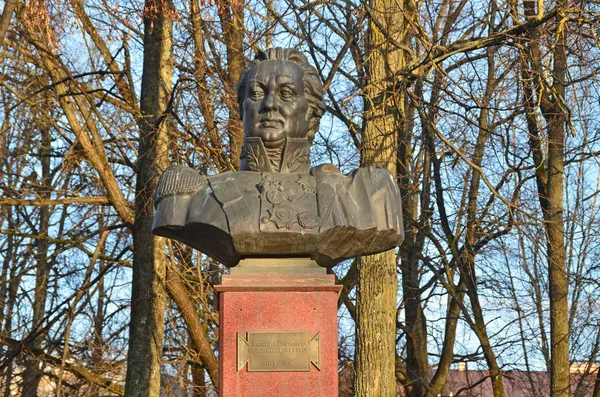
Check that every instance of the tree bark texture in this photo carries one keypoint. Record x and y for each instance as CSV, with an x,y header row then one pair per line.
x,y
148,293
555,232
412,248
205,97
549,168
375,355
33,373
7,13
231,15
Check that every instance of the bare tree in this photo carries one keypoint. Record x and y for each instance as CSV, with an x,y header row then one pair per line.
x,y
149,271
375,356
465,102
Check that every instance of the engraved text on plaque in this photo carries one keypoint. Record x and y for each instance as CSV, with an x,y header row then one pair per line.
x,y
278,351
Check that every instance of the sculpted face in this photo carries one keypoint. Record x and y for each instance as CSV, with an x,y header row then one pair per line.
x,y
274,106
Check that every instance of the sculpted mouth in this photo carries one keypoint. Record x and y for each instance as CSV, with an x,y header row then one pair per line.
x,y
271,123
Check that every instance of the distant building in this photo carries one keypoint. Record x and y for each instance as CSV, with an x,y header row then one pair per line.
x,y
463,382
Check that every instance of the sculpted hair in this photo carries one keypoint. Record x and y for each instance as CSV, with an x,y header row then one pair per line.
x,y
313,88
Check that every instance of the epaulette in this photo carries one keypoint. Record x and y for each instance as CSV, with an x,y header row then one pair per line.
x,y
178,179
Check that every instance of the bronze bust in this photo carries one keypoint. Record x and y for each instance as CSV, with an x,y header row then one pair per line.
x,y
277,205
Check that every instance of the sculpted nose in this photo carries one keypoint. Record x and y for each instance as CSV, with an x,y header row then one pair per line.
x,y
269,102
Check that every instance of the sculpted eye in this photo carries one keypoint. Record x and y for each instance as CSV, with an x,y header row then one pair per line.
x,y
286,93
255,93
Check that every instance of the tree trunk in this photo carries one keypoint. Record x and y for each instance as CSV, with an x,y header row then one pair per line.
x,y
467,261
7,12
98,344
10,285
549,168
559,304
198,381
415,212
33,372
198,333
555,232
231,15
148,293
375,355
205,97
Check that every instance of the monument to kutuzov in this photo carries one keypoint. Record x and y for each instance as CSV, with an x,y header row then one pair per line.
x,y
280,218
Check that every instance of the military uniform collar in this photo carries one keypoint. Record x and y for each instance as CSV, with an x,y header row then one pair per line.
x,y
294,157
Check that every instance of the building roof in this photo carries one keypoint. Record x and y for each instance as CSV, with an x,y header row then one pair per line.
x,y
477,383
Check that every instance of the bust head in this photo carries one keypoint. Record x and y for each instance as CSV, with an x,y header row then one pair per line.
x,y
280,96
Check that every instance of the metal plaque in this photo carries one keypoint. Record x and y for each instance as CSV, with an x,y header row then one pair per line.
x,y
291,351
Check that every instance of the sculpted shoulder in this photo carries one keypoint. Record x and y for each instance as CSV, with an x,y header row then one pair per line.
x,y
181,195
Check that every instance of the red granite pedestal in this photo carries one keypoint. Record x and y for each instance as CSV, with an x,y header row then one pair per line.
x,y
269,305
